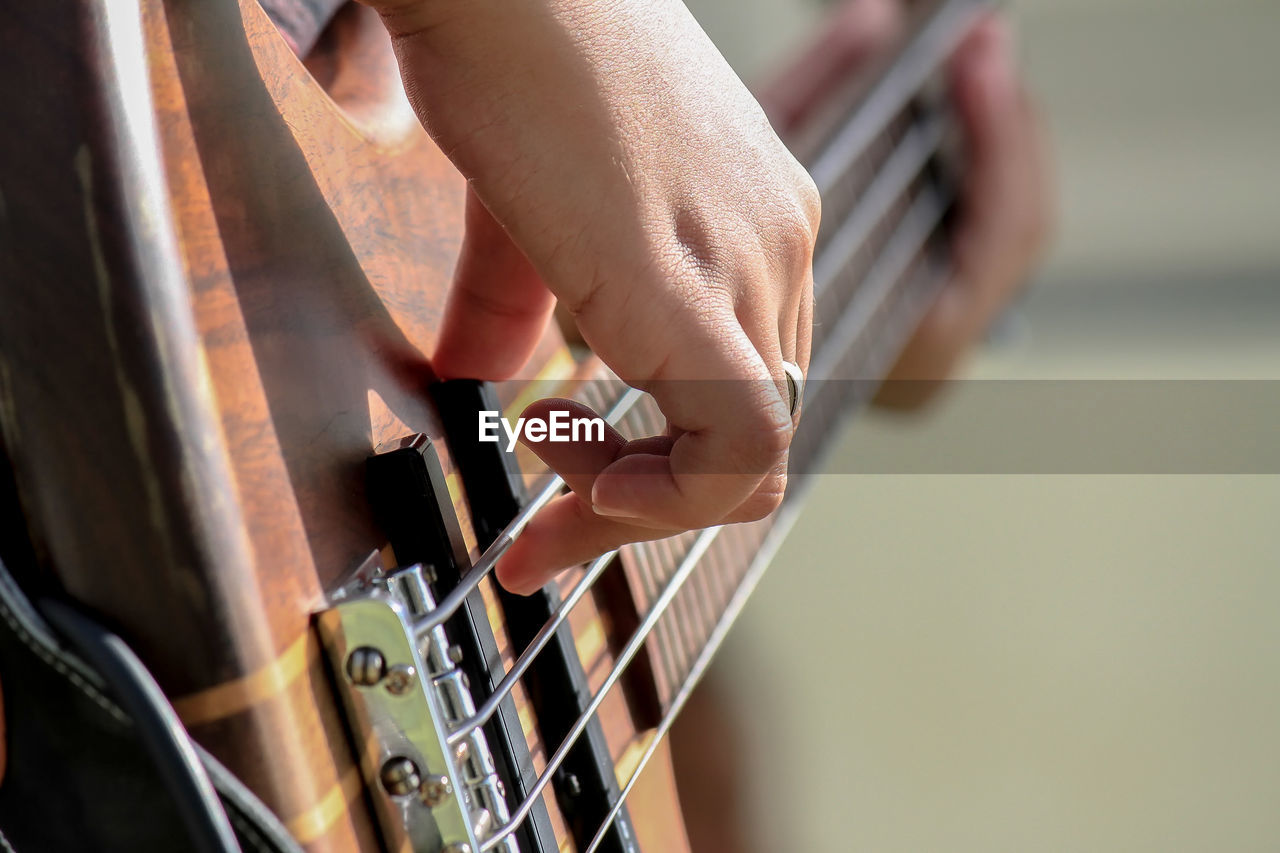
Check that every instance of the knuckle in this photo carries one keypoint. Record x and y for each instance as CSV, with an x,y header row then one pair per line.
x,y
810,203
585,304
793,230
765,440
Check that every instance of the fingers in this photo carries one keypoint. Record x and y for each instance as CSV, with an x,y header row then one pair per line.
x,y
567,531
1005,209
1003,218
726,407
497,309
543,549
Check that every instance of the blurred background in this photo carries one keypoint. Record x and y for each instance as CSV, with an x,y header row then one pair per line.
x,y
1069,662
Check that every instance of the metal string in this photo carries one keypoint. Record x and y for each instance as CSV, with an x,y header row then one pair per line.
x,y
450,603
620,666
464,728
893,92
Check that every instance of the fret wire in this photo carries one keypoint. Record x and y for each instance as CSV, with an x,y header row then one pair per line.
x,y
663,645
694,595
620,666
678,613
546,633
713,566
592,394
712,570
666,630
451,602
678,626
664,640
703,601
723,571
726,574
697,601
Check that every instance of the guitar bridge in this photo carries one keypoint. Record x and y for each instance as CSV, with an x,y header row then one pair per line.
x,y
404,694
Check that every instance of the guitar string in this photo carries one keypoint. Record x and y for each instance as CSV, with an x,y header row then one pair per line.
x,y
908,241
615,673
521,665
918,61
696,608
449,605
732,610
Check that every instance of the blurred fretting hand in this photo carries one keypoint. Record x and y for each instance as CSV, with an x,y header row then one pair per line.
x,y
1004,218
1006,200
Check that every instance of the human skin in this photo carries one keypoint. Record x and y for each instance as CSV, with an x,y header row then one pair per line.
x,y
617,164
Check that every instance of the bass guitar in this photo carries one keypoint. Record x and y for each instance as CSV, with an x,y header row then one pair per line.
x,y
221,270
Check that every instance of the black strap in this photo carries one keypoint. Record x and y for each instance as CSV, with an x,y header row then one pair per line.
x,y
82,773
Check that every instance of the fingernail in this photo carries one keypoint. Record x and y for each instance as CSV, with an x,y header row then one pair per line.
x,y
600,507
609,511
525,588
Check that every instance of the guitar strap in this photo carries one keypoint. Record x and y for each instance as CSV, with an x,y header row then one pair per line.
x,y
79,774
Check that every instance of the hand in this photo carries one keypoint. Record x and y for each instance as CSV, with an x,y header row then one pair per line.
x,y
1004,216
1005,202
617,163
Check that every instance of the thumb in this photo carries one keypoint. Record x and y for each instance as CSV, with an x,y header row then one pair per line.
x,y
497,309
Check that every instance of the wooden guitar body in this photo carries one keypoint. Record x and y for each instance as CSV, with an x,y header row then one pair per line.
x,y
221,275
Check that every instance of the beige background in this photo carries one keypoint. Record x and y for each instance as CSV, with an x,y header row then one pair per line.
x,y
1053,662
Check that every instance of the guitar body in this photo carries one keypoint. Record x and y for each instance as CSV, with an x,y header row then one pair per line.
x,y
221,274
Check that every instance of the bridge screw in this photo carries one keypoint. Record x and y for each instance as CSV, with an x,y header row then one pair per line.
x,y
400,776
366,666
400,678
435,790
